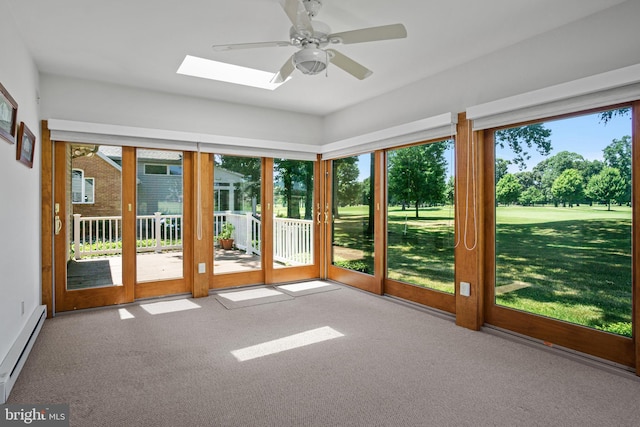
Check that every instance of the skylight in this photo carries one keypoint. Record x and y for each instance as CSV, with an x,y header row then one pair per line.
x,y
214,70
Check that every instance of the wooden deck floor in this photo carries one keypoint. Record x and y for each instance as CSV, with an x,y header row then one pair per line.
x,y
99,272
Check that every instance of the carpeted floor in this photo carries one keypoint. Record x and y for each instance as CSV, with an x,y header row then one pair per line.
x,y
342,358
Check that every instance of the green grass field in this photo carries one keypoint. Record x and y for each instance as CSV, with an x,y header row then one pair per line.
x,y
571,264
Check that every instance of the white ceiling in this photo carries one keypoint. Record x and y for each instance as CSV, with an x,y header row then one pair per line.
x,y
141,43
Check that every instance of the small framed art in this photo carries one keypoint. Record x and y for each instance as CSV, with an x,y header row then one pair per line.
x,y
8,116
26,145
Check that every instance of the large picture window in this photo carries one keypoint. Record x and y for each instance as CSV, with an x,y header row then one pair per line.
x,y
420,215
564,220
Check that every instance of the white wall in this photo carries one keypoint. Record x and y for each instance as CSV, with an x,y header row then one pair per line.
x,y
90,101
601,42
20,274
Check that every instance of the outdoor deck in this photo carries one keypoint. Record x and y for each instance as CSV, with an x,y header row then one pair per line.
x,y
107,271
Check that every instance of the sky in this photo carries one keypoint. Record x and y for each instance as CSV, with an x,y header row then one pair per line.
x,y
585,135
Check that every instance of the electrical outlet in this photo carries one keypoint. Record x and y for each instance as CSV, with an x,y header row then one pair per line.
x,y
465,289
202,268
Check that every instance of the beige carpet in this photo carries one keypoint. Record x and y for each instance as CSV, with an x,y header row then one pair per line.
x,y
342,358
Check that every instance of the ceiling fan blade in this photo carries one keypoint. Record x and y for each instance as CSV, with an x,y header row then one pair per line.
x,y
298,15
349,65
236,46
385,32
284,72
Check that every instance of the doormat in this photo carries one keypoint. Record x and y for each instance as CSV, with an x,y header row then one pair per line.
x,y
307,288
250,297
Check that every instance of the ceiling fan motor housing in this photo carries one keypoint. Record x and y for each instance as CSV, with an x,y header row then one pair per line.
x,y
310,60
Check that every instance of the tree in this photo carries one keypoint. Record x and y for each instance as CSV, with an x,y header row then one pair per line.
x,y
568,187
293,172
531,196
450,190
346,188
521,139
548,170
508,189
608,185
608,115
618,155
250,168
417,174
502,168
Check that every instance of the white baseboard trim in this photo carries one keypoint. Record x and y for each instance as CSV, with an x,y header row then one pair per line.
x,y
14,361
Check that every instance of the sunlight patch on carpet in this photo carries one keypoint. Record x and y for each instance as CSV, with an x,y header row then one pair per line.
x,y
250,297
250,294
287,343
169,306
125,314
306,288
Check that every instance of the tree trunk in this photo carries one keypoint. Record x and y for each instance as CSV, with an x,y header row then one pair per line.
x,y
372,196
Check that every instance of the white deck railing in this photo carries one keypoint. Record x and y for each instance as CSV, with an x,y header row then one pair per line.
x,y
94,236
293,241
102,235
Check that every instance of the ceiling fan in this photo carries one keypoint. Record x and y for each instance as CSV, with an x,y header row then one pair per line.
x,y
312,37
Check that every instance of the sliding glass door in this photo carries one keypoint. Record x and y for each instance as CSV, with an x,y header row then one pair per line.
x,y
561,249
420,220
122,227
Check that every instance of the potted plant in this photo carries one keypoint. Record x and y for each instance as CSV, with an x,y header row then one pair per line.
x,y
224,237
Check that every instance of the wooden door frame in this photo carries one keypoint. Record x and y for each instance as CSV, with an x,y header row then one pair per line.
x,y
304,272
370,283
619,349
239,278
67,300
53,269
421,295
184,284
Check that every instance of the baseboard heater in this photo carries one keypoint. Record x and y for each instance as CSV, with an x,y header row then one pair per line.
x,y
17,356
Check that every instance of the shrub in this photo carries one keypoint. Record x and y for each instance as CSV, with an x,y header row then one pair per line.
x,y
620,328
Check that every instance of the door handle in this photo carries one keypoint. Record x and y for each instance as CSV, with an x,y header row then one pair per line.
x,y
58,226
326,213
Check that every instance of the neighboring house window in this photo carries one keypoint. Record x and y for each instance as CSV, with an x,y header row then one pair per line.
x,y
82,189
151,169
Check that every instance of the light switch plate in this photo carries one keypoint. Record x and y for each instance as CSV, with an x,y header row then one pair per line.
x,y
202,268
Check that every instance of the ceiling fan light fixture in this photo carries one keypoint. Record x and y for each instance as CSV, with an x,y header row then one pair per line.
x,y
310,60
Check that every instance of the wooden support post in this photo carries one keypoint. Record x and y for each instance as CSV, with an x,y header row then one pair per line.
x,y
203,224
47,227
469,232
635,197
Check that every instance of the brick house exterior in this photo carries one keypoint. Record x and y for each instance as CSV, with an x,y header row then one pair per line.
x,y
107,176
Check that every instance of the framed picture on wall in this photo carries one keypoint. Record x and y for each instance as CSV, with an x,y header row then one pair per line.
x,y
8,116
26,145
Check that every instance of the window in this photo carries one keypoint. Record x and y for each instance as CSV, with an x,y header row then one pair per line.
x,y
420,215
564,220
293,208
155,169
82,189
353,213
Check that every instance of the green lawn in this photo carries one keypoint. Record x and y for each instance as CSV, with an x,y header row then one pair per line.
x,y
419,250
571,264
